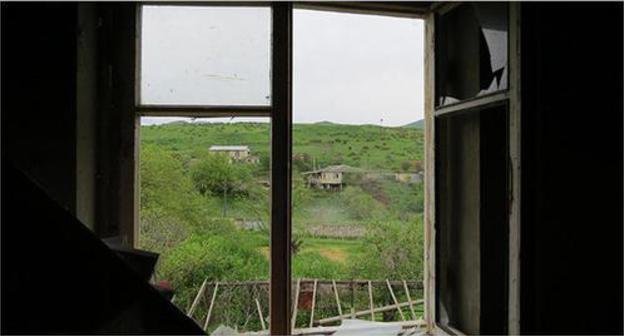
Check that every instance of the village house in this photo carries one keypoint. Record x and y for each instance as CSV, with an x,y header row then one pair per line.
x,y
330,177
236,153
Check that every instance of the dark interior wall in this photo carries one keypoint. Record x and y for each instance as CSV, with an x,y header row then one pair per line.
x,y
38,94
571,252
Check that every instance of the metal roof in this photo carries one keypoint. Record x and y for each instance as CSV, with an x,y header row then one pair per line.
x,y
229,148
337,169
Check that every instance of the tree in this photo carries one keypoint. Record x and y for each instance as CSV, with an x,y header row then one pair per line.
x,y
215,174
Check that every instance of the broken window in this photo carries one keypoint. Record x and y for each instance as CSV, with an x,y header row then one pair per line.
x,y
471,52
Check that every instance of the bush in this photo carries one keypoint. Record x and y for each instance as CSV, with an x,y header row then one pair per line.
x,y
360,204
216,257
394,250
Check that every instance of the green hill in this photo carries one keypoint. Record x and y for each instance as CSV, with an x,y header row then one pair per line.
x,y
420,124
324,143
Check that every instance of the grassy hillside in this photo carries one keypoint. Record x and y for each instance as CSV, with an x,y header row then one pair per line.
x,y
420,124
371,229
326,143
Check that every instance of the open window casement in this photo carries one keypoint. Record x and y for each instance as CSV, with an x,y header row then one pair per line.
x,y
472,158
472,173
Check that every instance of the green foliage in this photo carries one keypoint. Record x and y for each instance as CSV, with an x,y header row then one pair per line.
x,y
360,204
311,264
393,250
185,190
215,174
225,255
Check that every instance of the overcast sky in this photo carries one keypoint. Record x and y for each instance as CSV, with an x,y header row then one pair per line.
x,y
348,68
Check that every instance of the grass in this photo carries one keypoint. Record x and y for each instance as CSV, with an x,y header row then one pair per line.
x,y
362,146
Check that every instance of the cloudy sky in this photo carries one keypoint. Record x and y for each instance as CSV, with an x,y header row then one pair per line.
x,y
348,68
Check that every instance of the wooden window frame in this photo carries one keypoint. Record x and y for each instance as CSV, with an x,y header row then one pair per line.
x,y
510,96
280,112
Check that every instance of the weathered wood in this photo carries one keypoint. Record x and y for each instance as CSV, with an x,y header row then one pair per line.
x,y
409,300
281,157
212,301
367,311
313,304
198,297
429,178
515,159
339,283
370,299
405,326
352,299
259,315
204,111
294,314
473,103
337,297
396,302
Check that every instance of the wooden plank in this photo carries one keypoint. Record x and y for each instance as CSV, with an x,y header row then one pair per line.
x,y
260,316
478,102
396,302
313,304
205,111
359,282
173,298
370,299
429,180
294,314
367,312
409,300
515,113
352,299
198,297
337,298
281,156
405,326
212,301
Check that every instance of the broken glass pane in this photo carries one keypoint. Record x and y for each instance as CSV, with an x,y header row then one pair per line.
x,y
471,52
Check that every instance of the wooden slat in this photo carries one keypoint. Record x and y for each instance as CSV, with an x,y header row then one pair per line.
x,y
313,304
212,301
205,111
367,312
515,158
337,298
429,179
473,103
370,299
294,314
198,297
359,282
260,316
409,300
396,302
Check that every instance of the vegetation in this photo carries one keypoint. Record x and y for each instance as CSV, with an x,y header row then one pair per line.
x,y
207,215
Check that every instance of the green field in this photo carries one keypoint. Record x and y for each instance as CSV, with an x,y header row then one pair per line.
x,y
369,146
197,208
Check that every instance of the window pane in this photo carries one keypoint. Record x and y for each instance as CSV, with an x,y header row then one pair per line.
x,y
192,55
357,191
205,191
471,52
